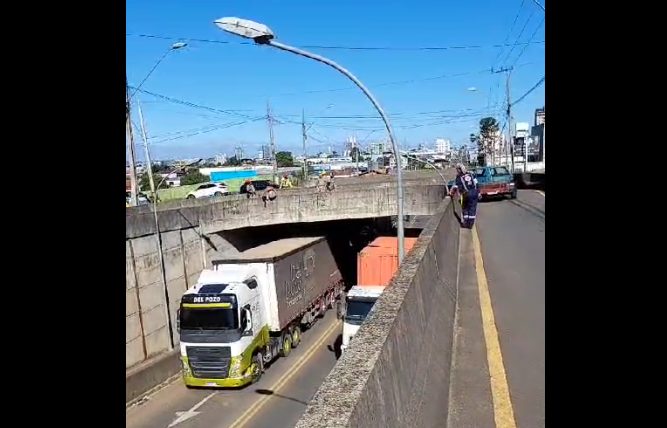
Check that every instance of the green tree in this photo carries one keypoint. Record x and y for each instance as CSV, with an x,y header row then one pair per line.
x,y
488,134
233,161
284,159
194,177
354,152
145,183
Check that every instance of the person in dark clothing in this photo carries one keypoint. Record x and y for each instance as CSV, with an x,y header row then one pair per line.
x,y
466,186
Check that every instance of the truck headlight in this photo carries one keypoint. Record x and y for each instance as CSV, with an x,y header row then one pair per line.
x,y
235,367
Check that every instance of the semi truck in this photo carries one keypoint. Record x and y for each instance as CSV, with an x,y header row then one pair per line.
x,y
250,309
376,265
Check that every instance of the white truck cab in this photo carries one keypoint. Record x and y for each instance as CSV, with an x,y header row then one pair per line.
x,y
358,303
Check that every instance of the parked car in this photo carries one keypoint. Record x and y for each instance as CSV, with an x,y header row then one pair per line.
x,y
493,181
142,199
259,185
207,190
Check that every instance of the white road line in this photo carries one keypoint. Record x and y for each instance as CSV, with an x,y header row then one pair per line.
x,y
183,416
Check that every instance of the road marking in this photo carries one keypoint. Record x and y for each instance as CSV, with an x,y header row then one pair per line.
x,y
502,403
184,416
245,417
541,193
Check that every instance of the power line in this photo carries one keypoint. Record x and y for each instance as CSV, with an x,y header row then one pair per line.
x,y
532,35
494,94
351,48
507,37
396,82
519,36
529,91
194,105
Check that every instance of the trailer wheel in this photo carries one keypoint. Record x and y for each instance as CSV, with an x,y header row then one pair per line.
x,y
286,347
296,336
258,367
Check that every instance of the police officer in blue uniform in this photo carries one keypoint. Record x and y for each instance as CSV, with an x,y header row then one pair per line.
x,y
466,185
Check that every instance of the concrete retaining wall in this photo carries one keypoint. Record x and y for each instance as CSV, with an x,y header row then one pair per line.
x,y
146,326
396,372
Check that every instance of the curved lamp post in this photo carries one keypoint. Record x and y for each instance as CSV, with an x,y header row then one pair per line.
x,y
263,35
432,165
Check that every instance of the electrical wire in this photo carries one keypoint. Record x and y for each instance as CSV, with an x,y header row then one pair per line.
x,y
529,91
350,48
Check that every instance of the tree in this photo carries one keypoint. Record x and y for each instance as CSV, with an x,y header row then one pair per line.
x,y
486,139
284,159
193,177
145,183
354,152
233,161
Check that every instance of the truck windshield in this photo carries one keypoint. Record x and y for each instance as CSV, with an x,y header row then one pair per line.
x,y
209,319
358,309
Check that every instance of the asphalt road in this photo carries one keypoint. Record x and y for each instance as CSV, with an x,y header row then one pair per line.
x,y
511,238
277,400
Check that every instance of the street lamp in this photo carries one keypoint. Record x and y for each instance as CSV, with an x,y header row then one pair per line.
x,y
133,172
163,271
263,35
174,47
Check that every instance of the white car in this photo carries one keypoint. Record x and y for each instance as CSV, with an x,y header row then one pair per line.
x,y
207,190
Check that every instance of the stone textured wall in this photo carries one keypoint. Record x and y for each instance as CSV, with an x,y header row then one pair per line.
x,y
396,371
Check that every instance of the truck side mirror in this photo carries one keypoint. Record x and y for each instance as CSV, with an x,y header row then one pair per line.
x,y
247,328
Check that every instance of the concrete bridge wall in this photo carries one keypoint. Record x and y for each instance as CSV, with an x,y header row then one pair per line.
x,y
396,372
189,239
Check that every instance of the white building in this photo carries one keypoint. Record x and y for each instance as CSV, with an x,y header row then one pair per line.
x,y
443,146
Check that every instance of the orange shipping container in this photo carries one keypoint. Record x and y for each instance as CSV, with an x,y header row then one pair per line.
x,y
378,261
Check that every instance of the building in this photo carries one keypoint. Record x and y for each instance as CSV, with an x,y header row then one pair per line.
x,y
537,134
443,146
539,116
350,144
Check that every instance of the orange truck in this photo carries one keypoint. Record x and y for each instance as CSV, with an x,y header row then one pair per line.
x,y
376,265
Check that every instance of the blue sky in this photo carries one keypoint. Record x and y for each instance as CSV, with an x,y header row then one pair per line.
x,y
424,91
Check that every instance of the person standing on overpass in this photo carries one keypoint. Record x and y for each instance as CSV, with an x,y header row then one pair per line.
x,y
286,183
466,185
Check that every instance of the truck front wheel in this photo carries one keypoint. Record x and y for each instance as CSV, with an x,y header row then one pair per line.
x,y
286,347
257,367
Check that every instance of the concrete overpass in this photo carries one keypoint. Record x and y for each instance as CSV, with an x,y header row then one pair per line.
x,y
419,359
431,353
191,232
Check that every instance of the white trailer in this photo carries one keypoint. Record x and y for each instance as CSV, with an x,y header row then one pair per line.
x,y
248,310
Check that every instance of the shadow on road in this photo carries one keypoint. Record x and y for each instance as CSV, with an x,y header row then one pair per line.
x,y
270,392
335,348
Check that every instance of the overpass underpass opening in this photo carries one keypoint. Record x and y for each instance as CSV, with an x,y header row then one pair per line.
x,y
345,237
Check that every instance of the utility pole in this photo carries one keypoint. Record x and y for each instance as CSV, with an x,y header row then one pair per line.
x,y
147,153
133,157
509,110
269,118
305,154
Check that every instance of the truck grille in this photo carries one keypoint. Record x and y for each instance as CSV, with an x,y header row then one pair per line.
x,y
209,362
